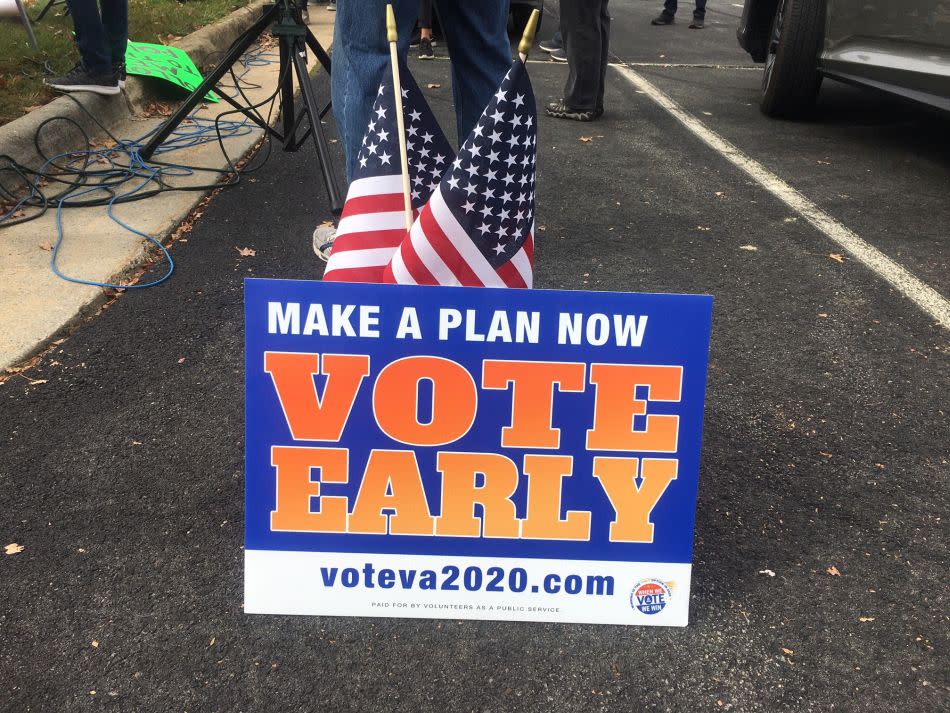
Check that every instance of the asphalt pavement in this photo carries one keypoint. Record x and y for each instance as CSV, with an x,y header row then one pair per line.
x,y
826,440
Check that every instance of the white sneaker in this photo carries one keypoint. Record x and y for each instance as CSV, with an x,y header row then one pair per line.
x,y
323,237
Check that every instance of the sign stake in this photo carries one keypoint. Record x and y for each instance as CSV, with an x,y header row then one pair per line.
x,y
400,121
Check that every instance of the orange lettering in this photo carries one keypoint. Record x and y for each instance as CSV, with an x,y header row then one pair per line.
x,y
396,401
460,495
295,488
391,481
309,417
616,404
532,397
633,505
543,522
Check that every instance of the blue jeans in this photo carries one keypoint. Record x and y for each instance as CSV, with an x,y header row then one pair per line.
x,y
669,8
477,39
102,39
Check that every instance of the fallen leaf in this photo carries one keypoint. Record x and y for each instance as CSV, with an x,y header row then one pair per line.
x,y
826,455
704,228
833,571
707,113
433,85
823,163
879,465
768,572
750,248
13,549
720,194
837,257
865,618
182,360
246,252
787,652
95,644
46,245
585,139
211,643
822,314
37,382
542,228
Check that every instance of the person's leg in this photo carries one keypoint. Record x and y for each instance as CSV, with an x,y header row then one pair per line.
x,y
425,29
669,7
700,12
477,38
115,21
360,56
425,16
90,35
583,39
604,54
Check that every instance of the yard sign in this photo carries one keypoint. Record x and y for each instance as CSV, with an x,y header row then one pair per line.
x,y
471,453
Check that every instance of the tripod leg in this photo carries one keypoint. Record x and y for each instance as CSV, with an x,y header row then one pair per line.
x,y
209,83
321,54
287,93
316,128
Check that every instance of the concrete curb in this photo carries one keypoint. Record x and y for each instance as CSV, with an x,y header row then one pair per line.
x,y
205,46
17,138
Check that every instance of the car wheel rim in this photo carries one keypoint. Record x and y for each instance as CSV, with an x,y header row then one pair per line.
x,y
774,40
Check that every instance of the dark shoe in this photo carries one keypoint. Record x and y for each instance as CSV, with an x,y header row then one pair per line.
x,y
553,44
696,24
78,79
425,49
663,19
560,110
558,55
118,69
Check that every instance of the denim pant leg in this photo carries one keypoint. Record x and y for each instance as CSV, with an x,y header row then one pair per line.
x,y
425,14
669,7
115,20
585,25
700,12
90,35
476,34
604,51
360,56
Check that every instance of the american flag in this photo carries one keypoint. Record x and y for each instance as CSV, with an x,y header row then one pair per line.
x,y
373,223
477,229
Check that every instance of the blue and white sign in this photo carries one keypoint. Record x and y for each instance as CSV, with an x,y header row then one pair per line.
x,y
472,453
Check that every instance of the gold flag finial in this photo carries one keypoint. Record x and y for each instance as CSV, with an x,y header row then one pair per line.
x,y
391,24
527,38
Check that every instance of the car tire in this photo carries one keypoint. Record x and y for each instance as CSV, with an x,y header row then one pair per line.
x,y
791,79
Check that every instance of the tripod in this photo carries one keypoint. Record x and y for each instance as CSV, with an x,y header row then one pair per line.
x,y
293,38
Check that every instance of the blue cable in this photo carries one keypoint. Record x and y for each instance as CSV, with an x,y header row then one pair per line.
x,y
199,131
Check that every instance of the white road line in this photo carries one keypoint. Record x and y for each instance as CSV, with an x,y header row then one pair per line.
x,y
901,279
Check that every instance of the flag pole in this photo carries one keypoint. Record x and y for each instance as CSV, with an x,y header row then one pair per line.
x,y
400,121
527,37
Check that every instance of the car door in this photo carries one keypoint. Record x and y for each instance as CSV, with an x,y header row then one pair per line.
x,y
899,45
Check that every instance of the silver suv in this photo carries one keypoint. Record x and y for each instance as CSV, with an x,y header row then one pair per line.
x,y
898,46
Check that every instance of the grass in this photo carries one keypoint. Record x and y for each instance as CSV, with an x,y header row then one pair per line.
x,y
22,69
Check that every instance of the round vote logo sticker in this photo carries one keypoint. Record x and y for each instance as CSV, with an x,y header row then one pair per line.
x,y
650,596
